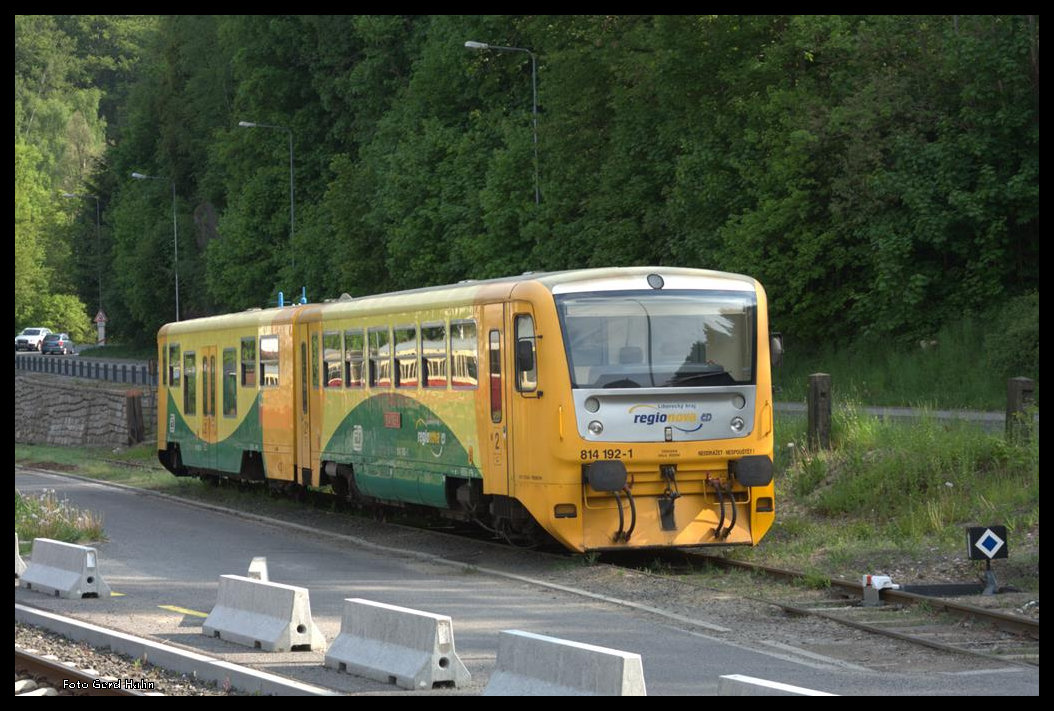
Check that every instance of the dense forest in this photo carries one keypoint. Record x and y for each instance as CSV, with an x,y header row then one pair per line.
x,y
878,174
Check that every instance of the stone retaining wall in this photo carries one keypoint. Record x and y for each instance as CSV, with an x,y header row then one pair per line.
x,y
69,411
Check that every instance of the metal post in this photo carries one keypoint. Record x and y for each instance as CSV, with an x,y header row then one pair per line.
x,y
534,101
175,247
820,411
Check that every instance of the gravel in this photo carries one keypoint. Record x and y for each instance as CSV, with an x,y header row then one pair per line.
x,y
108,664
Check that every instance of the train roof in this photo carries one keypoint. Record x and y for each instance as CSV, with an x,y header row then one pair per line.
x,y
469,292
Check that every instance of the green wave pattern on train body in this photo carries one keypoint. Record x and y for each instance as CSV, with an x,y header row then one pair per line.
x,y
225,455
401,450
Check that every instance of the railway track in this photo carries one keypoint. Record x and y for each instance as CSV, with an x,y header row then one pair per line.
x,y
47,672
943,624
940,623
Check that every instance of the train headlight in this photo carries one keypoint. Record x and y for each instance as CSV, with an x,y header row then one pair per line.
x,y
595,428
738,402
592,404
737,424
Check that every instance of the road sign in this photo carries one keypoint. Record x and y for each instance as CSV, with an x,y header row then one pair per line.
x,y
987,543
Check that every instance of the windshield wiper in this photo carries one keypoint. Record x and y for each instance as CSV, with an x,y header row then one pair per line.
x,y
683,378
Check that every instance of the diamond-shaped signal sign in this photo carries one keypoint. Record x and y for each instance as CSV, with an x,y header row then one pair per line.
x,y
987,543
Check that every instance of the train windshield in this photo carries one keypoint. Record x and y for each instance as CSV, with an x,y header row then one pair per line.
x,y
659,339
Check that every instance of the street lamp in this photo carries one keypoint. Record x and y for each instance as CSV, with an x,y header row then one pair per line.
x,y
483,46
98,238
175,232
292,208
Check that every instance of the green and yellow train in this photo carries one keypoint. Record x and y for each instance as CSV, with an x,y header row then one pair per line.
x,y
610,408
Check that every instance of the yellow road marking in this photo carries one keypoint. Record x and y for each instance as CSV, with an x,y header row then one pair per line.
x,y
183,610
116,594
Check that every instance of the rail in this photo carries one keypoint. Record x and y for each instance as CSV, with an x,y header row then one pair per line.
x,y
62,677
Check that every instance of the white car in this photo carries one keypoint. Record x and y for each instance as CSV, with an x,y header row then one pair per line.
x,y
31,339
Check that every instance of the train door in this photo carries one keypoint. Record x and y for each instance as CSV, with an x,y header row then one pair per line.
x,y
522,392
496,383
207,425
307,401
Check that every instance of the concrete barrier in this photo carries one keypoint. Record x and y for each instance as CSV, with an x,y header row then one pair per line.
x,y
740,685
408,648
181,661
263,615
535,665
258,569
64,570
20,565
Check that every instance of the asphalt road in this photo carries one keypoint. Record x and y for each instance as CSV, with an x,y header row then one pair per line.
x,y
162,553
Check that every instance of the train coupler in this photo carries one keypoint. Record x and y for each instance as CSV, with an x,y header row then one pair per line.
x,y
668,498
721,532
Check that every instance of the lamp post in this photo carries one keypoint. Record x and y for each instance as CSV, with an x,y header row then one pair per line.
x,y
483,46
292,188
175,232
98,238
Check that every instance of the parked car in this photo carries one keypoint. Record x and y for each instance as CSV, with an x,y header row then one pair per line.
x,y
31,339
57,343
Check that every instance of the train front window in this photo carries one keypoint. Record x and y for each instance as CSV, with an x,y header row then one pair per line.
x,y
667,339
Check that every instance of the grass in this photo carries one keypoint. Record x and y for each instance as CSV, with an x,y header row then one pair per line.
x,y
138,467
119,352
47,516
898,495
965,365
890,497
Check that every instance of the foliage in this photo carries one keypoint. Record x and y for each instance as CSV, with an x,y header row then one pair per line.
x,y
879,174
47,516
70,71
965,364
1012,345
65,313
918,481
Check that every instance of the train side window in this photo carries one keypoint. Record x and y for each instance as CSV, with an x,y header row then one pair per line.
x,y
248,362
190,394
495,376
230,382
406,357
208,385
314,361
303,377
173,365
205,385
332,356
164,365
353,347
526,354
269,361
433,355
464,349
380,357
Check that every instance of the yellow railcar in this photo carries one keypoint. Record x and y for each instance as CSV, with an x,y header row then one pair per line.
x,y
609,408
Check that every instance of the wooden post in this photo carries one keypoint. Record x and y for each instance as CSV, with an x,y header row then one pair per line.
x,y
1020,396
820,411
134,415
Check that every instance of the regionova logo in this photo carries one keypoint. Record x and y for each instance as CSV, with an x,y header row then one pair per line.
x,y
680,416
433,439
